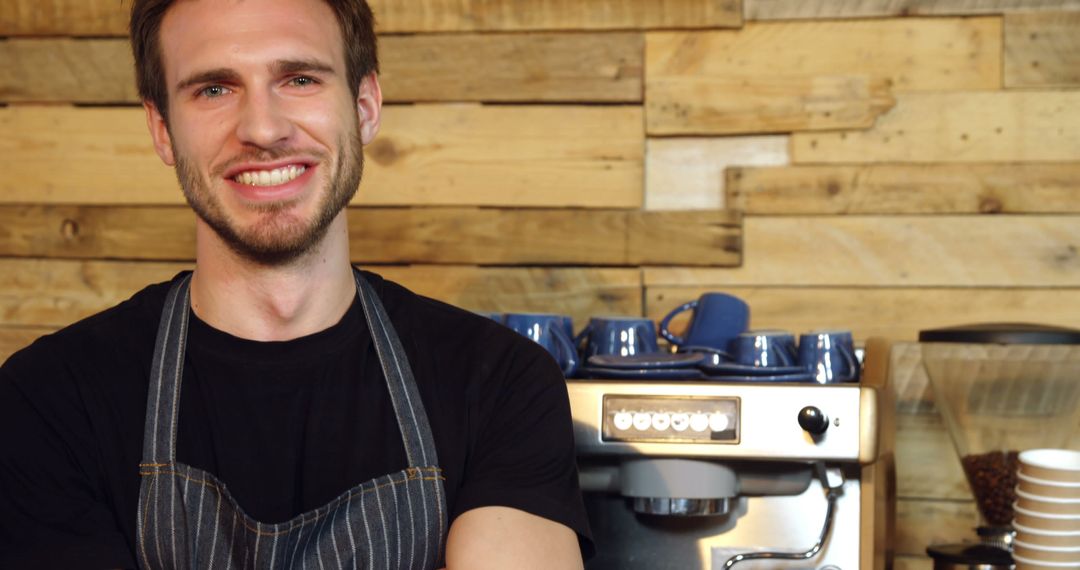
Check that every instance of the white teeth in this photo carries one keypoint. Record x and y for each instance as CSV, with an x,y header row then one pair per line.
x,y
269,177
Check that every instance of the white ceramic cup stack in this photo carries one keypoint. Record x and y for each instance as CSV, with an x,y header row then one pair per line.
x,y
1047,510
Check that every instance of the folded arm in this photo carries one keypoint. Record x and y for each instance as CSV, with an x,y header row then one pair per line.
x,y
502,537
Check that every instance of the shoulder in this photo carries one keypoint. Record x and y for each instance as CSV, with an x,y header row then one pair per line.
x,y
91,347
452,332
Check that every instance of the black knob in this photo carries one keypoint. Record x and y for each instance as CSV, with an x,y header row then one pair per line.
x,y
813,420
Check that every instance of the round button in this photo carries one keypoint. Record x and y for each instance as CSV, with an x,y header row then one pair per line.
x,y
680,421
719,422
642,421
623,421
813,420
699,422
661,421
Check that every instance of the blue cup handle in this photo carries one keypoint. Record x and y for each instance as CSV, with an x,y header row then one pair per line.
x,y
568,357
786,357
852,362
583,335
664,332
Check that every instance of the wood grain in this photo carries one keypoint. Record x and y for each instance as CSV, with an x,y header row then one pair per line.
x,y
921,523
400,235
919,438
492,15
833,9
426,155
1042,49
552,67
776,77
977,188
67,70
1009,126
538,67
708,105
912,562
895,251
54,293
63,17
110,17
687,173
889,312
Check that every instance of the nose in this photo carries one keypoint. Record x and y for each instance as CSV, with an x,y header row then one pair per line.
x,y
262,121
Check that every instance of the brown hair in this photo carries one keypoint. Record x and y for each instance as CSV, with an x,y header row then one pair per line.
x,y
354,17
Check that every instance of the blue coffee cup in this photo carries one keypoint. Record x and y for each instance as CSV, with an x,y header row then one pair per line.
x,y
619,336
829,356
764,348
553,332
716,320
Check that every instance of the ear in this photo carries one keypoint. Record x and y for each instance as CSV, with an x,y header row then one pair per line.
x,y
159,132
369,107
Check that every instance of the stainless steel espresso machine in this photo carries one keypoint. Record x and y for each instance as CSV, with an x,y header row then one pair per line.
x,y
709,475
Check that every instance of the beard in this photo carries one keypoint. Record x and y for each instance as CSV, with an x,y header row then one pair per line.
x,y
279,236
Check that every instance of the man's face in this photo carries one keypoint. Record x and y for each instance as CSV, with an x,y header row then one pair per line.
x,y
263,129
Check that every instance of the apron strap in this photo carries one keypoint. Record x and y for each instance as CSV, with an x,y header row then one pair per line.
x,y
166,371
409,409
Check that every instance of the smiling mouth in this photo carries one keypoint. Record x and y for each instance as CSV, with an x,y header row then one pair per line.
x,y
269,177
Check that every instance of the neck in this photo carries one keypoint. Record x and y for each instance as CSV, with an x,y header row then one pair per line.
x,y
258,302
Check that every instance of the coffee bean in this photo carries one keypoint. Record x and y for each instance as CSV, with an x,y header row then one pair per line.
x,y
993,480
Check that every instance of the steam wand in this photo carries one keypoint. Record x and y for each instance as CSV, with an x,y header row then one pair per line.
x,y
831,494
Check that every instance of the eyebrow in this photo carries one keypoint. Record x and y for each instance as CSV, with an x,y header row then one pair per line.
x,y
279,67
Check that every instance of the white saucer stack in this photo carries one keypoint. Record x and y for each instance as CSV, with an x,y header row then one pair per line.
x,y
1047,510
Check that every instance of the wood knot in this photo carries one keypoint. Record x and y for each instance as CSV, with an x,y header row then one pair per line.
x,y
383,152
832,188
990,205
69,229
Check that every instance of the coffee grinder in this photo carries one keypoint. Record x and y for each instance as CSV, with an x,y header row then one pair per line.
x,y
1000,389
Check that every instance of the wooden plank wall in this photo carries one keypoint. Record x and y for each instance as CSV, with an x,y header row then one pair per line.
x,y
878,165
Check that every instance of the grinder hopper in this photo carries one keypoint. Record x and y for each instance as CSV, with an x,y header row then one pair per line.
x,y
1000,389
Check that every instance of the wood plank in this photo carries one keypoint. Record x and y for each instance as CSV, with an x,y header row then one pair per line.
x,y
1042,49
493,15
919,438
577,292
922,523
912,562
63,17
110,18
688,173
540,67
530,155
957,127
67,70
54,293
893,313
400,235
769,105
426,155
13,339
988,188
553,67
821,9
782,76
894,251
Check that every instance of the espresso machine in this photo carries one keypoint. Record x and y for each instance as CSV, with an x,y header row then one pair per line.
x,y
747,475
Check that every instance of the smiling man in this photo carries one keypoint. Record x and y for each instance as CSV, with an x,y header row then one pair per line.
x,y
276,408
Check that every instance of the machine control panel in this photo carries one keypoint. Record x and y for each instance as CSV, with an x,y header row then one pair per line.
x,y
674,419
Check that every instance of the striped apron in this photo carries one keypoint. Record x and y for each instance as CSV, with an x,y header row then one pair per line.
x,y
187,518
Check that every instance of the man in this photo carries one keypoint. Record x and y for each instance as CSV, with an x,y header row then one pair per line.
x,y
275,408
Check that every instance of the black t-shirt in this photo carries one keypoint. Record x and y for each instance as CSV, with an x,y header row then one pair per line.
x,y
287,426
